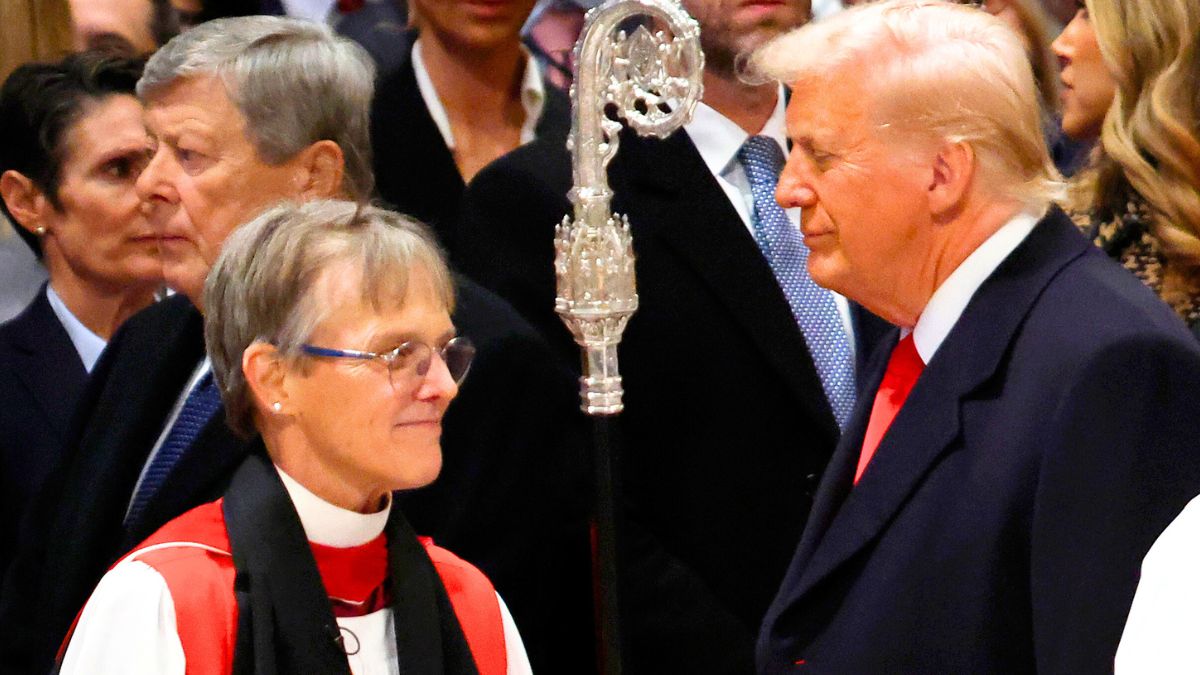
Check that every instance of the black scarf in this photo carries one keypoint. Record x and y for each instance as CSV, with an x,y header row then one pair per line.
x,y
285,620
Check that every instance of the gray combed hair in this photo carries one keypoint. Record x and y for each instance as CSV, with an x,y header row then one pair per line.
x,y
261,287
295,82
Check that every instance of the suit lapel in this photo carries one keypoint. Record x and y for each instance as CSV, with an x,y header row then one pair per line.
x,y
703,227
839,474
415,171
930,420
47,362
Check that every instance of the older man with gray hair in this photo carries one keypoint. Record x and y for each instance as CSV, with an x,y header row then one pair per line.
x,y
1029,429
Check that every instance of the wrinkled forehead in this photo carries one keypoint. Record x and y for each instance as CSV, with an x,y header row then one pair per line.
x,y
825,101
203,100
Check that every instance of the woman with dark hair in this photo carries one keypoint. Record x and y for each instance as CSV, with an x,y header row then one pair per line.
x,y
74,144
1129,76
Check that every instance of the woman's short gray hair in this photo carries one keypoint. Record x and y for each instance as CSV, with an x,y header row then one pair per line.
x,y
295,82
261,287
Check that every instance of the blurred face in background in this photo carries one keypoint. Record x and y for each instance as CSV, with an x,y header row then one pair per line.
x,y
1088,85
96,21
472,24
731,28
188,11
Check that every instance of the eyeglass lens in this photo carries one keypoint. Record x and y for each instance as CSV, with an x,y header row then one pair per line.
x,y
416,357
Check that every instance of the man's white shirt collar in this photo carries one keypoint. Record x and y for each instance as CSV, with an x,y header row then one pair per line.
x,y
718,138
88,344
312,10
533,97
331,525
952,297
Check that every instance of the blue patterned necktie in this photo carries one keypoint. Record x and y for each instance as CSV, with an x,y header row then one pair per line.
x,y
812,306
201,404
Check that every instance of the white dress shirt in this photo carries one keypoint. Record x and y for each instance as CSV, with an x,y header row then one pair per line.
x,y
88,344
129,625
533,97
947,303
313,10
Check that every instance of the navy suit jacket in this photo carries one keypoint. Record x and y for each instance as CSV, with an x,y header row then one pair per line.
x,y
1001,524
726,428
41,378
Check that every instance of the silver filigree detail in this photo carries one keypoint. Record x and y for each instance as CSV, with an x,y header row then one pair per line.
x,y
652,81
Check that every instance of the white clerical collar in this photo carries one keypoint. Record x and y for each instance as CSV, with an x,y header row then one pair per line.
x,y
331,525
718,138
951,298
313,10
533,96
88,344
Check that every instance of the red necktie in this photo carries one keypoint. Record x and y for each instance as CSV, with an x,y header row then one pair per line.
x,y
903,369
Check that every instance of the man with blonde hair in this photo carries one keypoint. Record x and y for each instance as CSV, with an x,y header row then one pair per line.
x,y
1029,429
738,371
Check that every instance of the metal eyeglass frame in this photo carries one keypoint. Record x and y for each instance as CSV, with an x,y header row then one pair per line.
x,y
395,359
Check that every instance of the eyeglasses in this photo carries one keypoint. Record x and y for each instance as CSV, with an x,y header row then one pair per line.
x,y
410,361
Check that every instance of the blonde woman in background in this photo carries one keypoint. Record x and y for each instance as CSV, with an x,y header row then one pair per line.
x,y
1129,76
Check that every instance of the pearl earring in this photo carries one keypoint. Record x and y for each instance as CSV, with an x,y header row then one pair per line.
x,y
41,231
277,406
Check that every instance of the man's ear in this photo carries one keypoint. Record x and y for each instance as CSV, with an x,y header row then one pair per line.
x,y
266,376
25,201
953,173
322,169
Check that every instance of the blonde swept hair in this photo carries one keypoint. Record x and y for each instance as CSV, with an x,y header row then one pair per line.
x,y
1151,135
934,69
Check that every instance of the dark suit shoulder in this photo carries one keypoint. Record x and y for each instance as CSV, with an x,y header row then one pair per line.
x,y
483,315
1094,305
31,323
162,321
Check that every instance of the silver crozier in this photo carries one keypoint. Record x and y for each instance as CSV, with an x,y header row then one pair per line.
x,y
649,76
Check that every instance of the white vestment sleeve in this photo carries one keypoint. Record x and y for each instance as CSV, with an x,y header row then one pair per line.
x,y
1162,634
514,646
127,627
